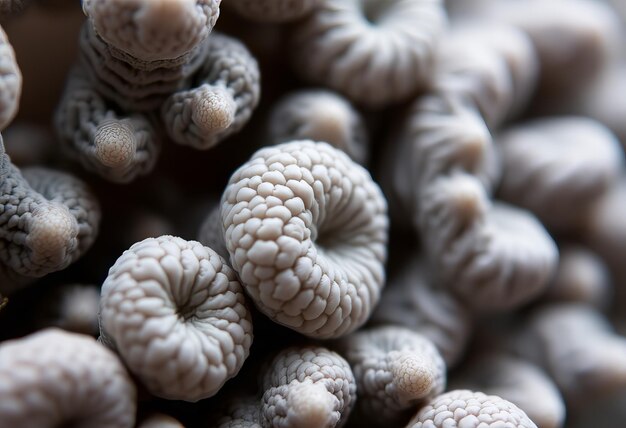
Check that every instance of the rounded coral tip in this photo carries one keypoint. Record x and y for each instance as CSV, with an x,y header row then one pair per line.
x,y
414,376
115,144
213,109
53,231
311,406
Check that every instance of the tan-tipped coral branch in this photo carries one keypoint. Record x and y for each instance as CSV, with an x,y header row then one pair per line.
x,y
49,219
306,229
177,315
148,58
302,387
396,370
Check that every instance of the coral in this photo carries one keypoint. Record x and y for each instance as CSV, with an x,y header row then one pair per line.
x,y
374,52
306,229
577,347
149,58
493,256
396,370
49,219
518,381
53,378
492,65
301,387
320,115
176,314
558,188
411,299
468,409
589,35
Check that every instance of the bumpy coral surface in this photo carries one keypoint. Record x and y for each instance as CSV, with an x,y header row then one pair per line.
x,y
306,230
467,409
518,381
395,369
53,378
306,388
177,315
48,218
140,58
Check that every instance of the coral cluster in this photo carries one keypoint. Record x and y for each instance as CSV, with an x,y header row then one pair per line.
x,y
429,235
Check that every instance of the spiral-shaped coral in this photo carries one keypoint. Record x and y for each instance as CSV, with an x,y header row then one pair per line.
x,y
176,313
53,378
306,230
374,52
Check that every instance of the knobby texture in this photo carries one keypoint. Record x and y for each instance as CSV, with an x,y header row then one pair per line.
x,y
518,381
153,61
396,371
307,387
53,378
176,313
49,219
468,409
306,230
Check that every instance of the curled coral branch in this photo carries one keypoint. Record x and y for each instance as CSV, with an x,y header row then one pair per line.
x,y
306,229
177,315
52,378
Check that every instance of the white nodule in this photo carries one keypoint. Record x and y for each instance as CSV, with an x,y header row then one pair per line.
x,y
115,144
413,375
311,405
213,109
52,233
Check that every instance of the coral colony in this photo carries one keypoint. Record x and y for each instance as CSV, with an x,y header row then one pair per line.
x,y
315,214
